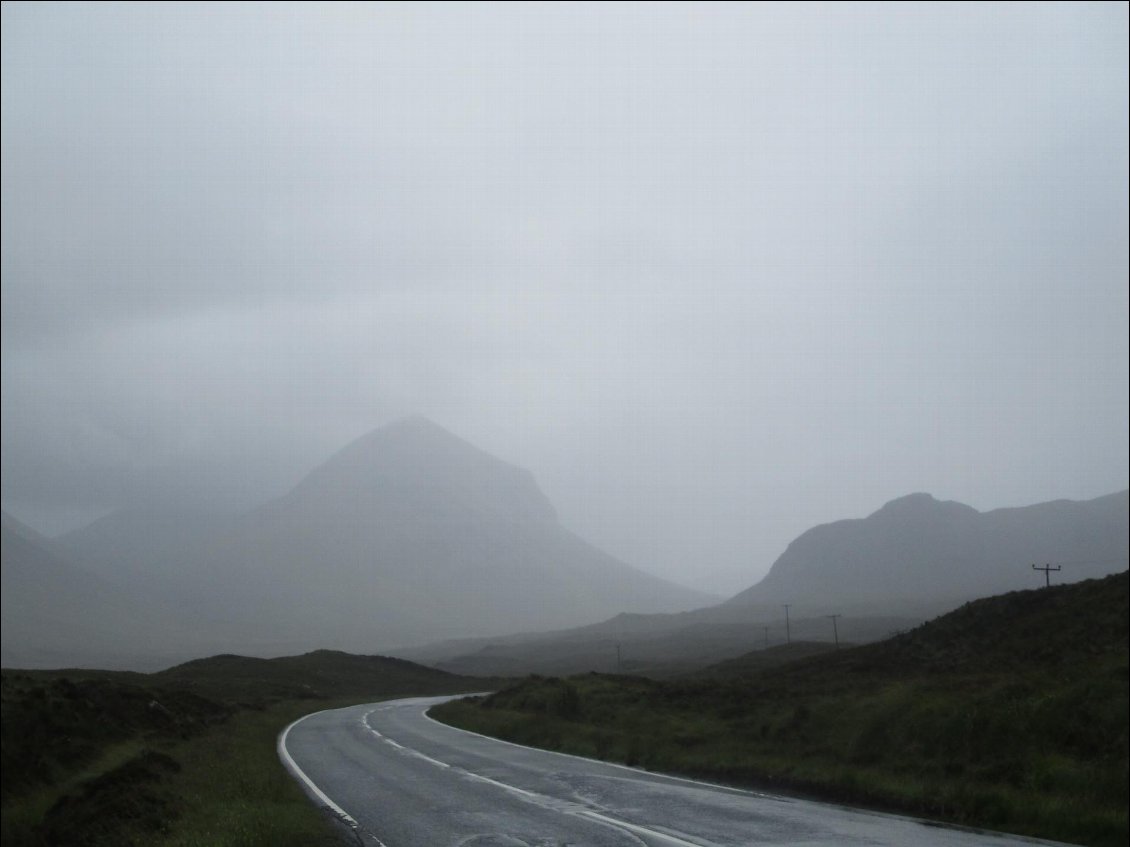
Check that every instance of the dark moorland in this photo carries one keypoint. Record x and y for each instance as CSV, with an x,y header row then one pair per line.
x,y
184,756
1009,713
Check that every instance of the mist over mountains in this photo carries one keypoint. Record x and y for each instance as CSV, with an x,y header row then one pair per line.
x,y
407,535
412,540
57,614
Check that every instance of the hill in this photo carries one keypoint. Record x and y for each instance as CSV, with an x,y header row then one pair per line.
x,y
319,674
917,549
1009,713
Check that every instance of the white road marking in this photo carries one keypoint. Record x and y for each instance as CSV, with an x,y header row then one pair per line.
x,y
540,800
398,746
745,792
726,788
594,815
311,788
636,829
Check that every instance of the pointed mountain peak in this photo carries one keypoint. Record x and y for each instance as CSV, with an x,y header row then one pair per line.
x,y
413,424
414,445
414,431
417,457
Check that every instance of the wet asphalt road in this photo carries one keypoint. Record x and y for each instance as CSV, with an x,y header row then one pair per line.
x,y
400,779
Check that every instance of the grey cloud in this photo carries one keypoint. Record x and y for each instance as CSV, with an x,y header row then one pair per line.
x,y
713,273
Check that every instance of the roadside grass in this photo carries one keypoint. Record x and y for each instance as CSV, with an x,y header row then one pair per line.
x,y
223,787
860,753
956,721
233,792
184,757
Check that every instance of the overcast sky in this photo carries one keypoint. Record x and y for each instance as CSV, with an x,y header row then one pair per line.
x,y
714,274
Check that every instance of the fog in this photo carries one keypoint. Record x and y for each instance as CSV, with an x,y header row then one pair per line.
x,y
712,273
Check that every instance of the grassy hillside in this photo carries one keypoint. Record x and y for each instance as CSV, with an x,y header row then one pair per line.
x,y
771,657
317,675
185,756
1009,713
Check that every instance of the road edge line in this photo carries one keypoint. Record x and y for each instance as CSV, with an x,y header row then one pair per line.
x,y
308,784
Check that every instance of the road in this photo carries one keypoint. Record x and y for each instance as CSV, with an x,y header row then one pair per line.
x,y
398,778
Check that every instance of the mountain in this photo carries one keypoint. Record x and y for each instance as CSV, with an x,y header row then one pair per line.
x,y
913,559
142,547
55,613
407,535
918,549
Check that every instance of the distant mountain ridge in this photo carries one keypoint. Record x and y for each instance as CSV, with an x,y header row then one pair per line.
x,y
917,548
411,537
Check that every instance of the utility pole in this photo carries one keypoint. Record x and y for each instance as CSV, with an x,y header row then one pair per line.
x,y
788,632
835,630
1047,572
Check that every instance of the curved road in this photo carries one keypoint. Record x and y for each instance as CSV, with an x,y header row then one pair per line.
x,y
398,778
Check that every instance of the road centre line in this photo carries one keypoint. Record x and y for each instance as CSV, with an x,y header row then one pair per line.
x,y
541,800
